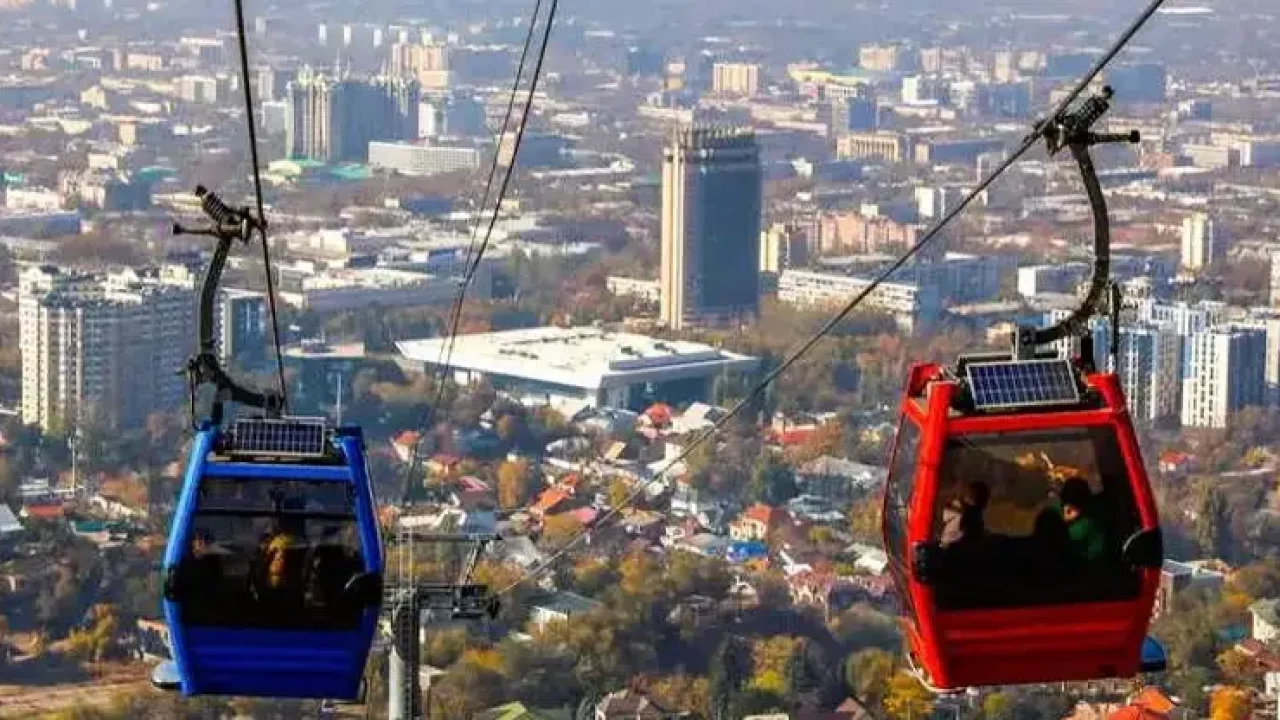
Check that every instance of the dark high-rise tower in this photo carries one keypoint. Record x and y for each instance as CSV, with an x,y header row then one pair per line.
x,y
335,120
711,199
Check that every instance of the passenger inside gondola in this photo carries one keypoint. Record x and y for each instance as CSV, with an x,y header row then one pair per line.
x,y
283,558
1044,525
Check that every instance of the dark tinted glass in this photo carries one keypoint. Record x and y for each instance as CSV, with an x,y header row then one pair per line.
x,y
272,555
1034,518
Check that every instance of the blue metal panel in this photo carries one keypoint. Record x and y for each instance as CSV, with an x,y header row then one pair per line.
x,y
278,471
179,540
352,443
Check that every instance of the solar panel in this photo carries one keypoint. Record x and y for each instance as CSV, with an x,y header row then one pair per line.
x,y
1028,383
297,437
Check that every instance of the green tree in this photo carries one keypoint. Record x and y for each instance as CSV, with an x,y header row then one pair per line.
x,y
1213,521
773,482
868,673
730,669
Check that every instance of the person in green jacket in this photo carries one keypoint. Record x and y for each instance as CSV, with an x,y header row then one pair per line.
x,y
1084,528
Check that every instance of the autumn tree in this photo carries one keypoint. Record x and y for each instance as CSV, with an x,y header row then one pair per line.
x,y
558,530
906,698
868,673
514,484
1230,703
681,692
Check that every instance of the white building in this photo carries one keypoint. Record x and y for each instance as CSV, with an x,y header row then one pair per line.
x,y
1223,371
420,160
106,345
353,288
1186,319
735,79
646,290
198,89
910,305
1200,244
583,366
1061,278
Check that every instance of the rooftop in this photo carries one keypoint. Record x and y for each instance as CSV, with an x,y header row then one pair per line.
x,y
583,357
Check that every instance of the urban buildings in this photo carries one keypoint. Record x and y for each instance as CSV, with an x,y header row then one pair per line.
x,y
103,348
240,327
334,119
742,79
416,159
428,63
912,306
711,205
1223,371
584,366
1200,245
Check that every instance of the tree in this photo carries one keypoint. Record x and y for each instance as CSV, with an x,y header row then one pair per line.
x,y
729,670
812,682
1239,669
868,673
996,706
683,693
514,486
1213,521
557,530
864,518
906,698
1229,703
772,481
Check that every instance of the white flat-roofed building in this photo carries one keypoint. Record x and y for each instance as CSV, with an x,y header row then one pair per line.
x,y
564,366
353,288
417,159
911,305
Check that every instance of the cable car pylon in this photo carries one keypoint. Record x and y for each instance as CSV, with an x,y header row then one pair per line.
x,y
409,599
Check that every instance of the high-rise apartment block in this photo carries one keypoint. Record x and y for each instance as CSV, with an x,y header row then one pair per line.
x,y
742,79
106,348
1200,244
712,188
426,62
335,119
1223,372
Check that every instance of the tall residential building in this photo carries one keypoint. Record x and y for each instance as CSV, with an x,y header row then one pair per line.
x,y
735,79
1186,319
240,327
335,119
106,347
1268,321
427,62
1275,279
1200,244
1223,371
1149,364
712,187
1148,370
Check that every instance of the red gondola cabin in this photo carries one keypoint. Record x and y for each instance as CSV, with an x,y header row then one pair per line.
x,y
1022,533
